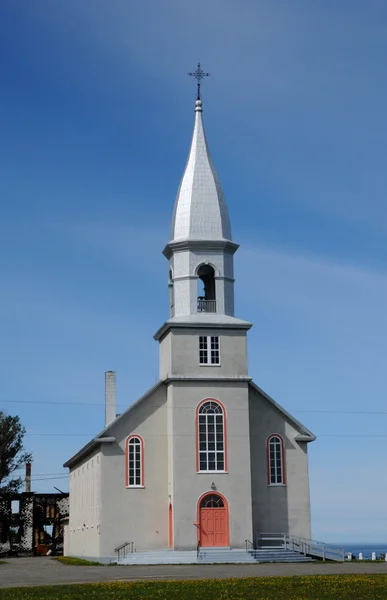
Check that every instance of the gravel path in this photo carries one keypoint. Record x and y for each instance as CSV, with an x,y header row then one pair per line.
x,y
45,571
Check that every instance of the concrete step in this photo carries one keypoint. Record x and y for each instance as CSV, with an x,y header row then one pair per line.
x,y
241,556
161,557
211,556
279,556
225,555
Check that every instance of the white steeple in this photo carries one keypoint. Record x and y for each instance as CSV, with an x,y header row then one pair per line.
x,y
200,250
200,211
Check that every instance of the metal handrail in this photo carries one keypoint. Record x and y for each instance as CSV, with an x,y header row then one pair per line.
x,y
122,549
198,550
303,545
314,548
252,546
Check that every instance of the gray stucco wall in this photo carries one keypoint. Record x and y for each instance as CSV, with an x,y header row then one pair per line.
x,y
277,509
179,353
188,485
165,349
82,534
184,265
136,514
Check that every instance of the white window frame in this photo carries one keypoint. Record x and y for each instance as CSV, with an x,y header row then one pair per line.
x,y
205,419
138,444
208,351
272,461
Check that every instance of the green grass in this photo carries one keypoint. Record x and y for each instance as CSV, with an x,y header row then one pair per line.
x,y
3,562
77,562
316,587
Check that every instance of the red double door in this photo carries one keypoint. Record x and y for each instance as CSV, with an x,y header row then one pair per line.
x,y
213,522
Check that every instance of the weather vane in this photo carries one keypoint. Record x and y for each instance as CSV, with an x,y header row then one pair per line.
x,y
199,74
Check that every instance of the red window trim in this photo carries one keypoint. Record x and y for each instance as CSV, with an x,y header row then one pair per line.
x,y
224,433
134,435
282,459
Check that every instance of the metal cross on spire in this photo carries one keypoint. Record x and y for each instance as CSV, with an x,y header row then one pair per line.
x,y
199,74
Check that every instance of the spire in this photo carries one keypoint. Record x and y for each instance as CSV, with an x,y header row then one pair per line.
x,y
200,211
200,250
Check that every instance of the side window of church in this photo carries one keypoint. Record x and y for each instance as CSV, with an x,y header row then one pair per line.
x,y
211,437
275,460
134,461
209,350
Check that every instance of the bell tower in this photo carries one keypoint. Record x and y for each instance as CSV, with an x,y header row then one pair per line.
x,y
203,346
200,250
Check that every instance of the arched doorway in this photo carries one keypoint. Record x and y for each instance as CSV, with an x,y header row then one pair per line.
x,y
213,520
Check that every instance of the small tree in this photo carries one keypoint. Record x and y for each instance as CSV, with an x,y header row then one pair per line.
x,y
12,453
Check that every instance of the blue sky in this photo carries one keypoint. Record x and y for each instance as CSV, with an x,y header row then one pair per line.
x,y
96,119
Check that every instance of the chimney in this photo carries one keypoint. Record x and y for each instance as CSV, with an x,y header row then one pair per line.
x,y
28,478
110,397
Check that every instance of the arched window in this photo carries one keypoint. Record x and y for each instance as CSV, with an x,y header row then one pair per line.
x,y
211,437
212,501
275,460
134,461
206,289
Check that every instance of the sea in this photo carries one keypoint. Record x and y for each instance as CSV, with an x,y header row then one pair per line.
x,y
366,549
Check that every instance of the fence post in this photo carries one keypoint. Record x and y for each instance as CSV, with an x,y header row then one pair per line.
x,y
324,553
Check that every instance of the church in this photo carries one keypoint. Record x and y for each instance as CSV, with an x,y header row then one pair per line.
x,y
205,458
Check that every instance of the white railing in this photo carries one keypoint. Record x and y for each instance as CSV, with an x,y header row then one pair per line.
x,y
304,546
315,548
206,305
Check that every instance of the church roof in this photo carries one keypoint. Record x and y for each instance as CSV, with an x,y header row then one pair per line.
x,y
104,436
200,211
305,435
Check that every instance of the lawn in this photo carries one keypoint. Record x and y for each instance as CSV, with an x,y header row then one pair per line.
x,y
316,587
76,562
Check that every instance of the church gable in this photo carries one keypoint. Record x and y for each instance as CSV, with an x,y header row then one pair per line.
x,y
139,416
140,448
279,467
272,412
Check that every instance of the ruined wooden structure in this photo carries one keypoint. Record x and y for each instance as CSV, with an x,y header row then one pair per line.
x,y
32,523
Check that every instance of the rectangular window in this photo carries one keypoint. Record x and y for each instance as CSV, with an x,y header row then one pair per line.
x,y
203,350
209,350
